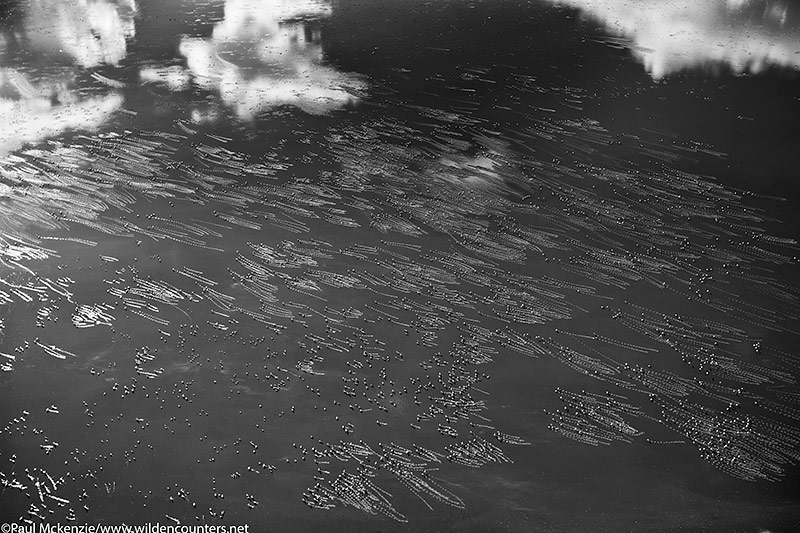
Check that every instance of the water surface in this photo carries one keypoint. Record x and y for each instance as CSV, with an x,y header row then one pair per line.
x,y
400,265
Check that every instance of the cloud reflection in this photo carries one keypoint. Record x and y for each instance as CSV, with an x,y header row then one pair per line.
x,y
175,78
41,59
46,110
672,35
91,32
265,54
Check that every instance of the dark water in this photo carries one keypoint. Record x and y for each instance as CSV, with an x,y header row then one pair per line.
x,y
400,265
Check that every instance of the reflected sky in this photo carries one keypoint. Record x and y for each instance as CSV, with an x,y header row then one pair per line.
x,y
47,109
58,61
41,60
60,58
265,54
91,33
668,36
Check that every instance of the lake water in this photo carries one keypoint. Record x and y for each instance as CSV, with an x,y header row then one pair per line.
x,y
400,265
